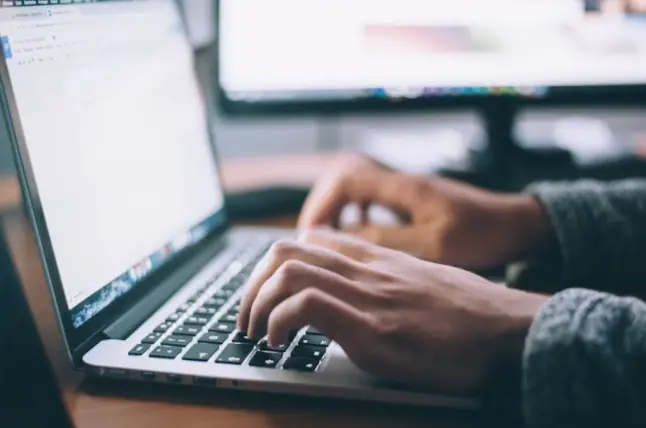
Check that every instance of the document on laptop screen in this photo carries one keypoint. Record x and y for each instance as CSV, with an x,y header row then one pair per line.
x,y
116,132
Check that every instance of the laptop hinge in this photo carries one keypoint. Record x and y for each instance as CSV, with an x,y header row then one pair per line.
x,y
132,319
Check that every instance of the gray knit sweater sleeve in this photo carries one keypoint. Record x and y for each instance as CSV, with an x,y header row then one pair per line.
x,y
585,355
600,231
585,362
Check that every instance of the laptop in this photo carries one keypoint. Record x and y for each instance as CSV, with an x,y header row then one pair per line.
x,y
119,173
22,348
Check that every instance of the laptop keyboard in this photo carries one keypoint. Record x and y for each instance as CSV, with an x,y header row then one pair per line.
x,y
203,329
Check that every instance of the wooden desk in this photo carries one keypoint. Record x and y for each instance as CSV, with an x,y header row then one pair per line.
x,y
99,404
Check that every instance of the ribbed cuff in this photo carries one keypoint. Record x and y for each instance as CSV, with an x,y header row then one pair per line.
x,y
556,372
575,213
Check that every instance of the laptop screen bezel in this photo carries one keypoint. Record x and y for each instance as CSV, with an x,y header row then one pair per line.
x,y
79,340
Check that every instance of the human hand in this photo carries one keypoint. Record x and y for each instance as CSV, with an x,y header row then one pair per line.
x,y
443,220
396,317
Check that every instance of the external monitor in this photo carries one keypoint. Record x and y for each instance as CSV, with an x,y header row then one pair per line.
x,y
494,56
343,54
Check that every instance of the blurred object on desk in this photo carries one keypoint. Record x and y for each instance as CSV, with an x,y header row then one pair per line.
x,y
271,187
591,135
582,143
421,153
266,203
285,170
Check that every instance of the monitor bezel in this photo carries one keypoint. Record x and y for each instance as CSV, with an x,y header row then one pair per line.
x,y
80,340
561,96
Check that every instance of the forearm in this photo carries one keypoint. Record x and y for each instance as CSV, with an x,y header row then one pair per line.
x,y
585,362
599,234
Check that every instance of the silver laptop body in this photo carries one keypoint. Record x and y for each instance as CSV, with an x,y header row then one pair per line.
x,y
110,133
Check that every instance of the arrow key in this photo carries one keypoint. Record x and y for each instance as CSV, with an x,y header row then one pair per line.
x,y
268,360
235,354
201,352
301,364
166,352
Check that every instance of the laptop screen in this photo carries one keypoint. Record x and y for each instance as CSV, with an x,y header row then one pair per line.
x,y
116,131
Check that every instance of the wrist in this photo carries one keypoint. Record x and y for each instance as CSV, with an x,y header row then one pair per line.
x,y
528,227
519,309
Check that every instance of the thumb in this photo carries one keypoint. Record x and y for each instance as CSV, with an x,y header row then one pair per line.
x,y
407,239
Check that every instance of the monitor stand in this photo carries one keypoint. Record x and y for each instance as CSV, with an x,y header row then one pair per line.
x,y
505,165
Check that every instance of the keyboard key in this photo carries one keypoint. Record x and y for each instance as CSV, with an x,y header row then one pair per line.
x,y
216,303
267,360
139,350
203,288
183,308
162,328
315,352
174,318
205,312
314,332
180,341
301,364
151,338
265,347
222,328
236,282
214,338
187,330
196,320
234,354
313,340
167,352
229,319
201,352
198,295
223,294
230,287
240,337
235,308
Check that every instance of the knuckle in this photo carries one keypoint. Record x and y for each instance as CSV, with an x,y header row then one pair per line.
x,y
373,235
282,250
289,272
310,236
420,188
309,300
385,328
338,182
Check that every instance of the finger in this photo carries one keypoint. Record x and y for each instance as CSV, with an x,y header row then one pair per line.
x,y
280,253
336,319
294,277
324,205
406,239
351,246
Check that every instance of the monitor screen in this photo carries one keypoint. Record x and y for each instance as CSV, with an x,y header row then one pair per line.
x,y
115,128
290,50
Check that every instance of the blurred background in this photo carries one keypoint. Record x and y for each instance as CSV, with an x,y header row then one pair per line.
x,y
419,132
